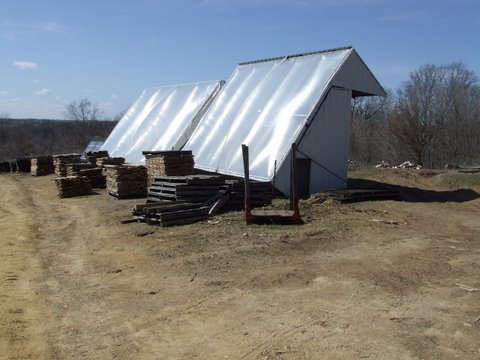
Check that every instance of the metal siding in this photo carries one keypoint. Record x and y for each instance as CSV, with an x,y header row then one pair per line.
x,y
326,141
355,75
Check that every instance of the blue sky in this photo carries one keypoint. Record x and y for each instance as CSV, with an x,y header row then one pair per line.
x,y
53,52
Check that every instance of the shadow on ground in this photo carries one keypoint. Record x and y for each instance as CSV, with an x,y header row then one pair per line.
x,y
412,194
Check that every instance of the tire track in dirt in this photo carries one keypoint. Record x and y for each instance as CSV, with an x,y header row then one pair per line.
x,y
24,316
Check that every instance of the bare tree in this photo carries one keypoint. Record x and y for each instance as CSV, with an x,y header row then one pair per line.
x,y
84,113
369,129
83,110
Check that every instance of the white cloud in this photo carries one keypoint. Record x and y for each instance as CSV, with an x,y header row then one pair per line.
x,y
114,97
42,92
25,65
36,81
3,92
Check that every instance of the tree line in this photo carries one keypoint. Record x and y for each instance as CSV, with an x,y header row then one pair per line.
x,y
433,119
31,137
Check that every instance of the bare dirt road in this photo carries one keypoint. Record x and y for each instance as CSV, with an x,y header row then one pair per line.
x,y
376,280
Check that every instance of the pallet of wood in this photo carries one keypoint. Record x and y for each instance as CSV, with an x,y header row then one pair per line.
x,y
95,176
41,166
61,161
92,156
110,161
168,163
126,181
72,186
75,168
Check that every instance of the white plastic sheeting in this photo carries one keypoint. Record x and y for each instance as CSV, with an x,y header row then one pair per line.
x,y
264,105
158,119
94,145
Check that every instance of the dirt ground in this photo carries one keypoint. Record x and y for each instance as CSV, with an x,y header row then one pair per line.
x,y
377,280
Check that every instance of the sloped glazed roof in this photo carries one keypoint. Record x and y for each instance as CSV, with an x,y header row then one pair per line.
x,y
265,105
159,119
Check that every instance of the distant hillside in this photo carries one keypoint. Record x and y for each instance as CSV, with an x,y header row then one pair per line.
x,y
30,137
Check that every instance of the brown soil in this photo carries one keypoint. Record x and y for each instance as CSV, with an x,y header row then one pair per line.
x,y
76,284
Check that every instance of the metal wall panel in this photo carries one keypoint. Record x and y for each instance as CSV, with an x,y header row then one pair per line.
x,y
158,119
265,106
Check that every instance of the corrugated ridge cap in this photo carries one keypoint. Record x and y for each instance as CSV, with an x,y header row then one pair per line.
x,y
296,55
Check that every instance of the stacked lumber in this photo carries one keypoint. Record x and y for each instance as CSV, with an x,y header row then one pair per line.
x,y
190,188
168,163
5,167
110,161
42,165
354,195
95,176
73,186
75,168
126,181
61,161
92,156
24,165
169,213
261,194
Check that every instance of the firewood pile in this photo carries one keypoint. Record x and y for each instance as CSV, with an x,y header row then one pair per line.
x,y
92,156
72,186
42,165
190,188
168,163
95,176
61,161
126,181
75,168
110,161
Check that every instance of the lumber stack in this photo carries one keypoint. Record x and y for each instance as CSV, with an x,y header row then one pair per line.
x,y
110,161
126,181
5,167
95,176
190,188
74,169
72,186
169,213
42,165
24,165
61,161
168,163
92,156
261,194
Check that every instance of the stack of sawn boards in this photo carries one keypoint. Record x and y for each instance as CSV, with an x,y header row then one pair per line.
x,y
178,200
126,181
168,163
42,165
61,162
72,186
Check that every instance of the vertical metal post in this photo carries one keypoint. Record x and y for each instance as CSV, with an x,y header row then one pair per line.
x,y
293,183
247,176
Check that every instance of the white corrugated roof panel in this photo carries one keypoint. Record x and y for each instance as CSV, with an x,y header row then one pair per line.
x,y
158,119
264,105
